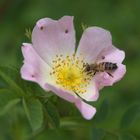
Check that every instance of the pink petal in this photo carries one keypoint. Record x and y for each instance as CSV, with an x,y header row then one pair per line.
x,y
86,110
34,68
52,37
92,93
111,54
67,95
103,79
93,41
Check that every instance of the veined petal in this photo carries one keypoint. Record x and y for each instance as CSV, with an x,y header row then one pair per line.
x,y
104,79
86,110
93,41
91,93
52,37
34,68
67,95
111,54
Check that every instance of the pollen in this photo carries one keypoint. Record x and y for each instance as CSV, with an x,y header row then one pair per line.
x,y
69,73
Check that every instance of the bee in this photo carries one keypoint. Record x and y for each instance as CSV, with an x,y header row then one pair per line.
x,y
101,67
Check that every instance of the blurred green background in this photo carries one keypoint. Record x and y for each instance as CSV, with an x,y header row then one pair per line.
x,y
118,108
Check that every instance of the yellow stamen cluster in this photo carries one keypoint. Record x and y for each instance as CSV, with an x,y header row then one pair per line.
x,y
69,73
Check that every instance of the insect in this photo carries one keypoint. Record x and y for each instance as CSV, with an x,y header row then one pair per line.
x,y
101,67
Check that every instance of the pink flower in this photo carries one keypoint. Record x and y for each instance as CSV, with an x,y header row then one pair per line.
x,y
52,62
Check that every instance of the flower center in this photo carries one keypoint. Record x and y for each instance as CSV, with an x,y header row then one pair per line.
x,y
69,73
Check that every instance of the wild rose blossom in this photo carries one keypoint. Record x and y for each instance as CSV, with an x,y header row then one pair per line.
x,y
52,62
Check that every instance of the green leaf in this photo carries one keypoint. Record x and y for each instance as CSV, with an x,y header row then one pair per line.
x,y
34,113
126,137
110,136
4,90
102,111
69,124
52,114
8,76
7,101
97,134
28,33
84,26
9,105
130,116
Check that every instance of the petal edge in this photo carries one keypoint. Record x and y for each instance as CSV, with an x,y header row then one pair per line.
x,y
86,110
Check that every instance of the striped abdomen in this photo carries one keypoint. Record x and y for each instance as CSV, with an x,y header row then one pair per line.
x,y
101,67
107,66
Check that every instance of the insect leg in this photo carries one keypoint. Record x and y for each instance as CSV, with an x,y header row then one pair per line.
x,y
110,74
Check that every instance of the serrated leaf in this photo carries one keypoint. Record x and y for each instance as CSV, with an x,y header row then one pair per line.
x,y
97,134
52,114
7,101
102,111
5,75
130,115
126,137
34,113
